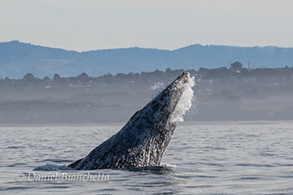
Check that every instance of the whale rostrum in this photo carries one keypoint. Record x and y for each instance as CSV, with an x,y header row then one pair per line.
x,y
144,138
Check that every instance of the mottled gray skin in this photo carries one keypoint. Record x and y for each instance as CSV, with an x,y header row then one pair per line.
x,y
143,140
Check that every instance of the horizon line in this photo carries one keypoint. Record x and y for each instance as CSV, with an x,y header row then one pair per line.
x,y
150,48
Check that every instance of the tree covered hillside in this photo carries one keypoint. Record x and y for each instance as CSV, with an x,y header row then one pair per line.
x,y
222,94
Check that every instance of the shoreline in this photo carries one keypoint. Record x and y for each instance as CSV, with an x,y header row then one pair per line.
x,y
122,124
235,122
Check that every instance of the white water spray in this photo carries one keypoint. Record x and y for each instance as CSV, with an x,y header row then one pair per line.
x,y
185,102
157,88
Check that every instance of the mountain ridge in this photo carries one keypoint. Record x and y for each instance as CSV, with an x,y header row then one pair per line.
x,y
17,59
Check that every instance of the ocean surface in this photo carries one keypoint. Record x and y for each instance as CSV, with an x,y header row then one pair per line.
x,y
200,159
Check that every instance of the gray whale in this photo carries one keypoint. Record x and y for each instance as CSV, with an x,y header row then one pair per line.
x,y
144,138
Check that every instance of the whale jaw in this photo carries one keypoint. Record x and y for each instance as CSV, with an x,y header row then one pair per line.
x,y
144,138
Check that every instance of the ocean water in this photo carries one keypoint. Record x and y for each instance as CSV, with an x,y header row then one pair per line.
x,y
200,159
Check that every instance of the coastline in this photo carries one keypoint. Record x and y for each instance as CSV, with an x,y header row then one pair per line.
x,y
61,124
235,122
122,124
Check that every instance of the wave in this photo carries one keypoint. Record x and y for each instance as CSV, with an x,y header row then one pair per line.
x,y
158,170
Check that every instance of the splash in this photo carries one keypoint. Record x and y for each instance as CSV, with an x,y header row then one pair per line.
x,y
184,103
157,88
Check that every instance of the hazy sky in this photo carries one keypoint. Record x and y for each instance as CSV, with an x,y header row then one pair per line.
x,y
84,25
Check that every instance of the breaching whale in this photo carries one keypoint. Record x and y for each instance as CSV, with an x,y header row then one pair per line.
x,y
144,138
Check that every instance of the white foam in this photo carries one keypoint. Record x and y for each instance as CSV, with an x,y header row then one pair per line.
x,y
52,167
168,165
184,103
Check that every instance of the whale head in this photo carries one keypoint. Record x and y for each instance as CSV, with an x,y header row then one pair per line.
x,y
144,138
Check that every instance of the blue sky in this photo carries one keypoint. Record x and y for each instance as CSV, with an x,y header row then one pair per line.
x,y
84,25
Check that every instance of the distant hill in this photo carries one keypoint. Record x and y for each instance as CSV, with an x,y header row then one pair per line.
x,y
17,59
